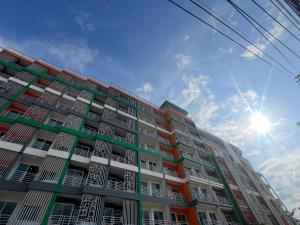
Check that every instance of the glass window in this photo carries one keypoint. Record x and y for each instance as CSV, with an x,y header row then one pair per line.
x,y
181,218
202,216
212,216
63,209
146,215
144,164
152,166
155,186
7,208
158,215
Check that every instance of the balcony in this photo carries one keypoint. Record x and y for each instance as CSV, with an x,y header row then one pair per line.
x,y
95,117
156,222
175,195
169,172
83,151
4,219
148,133
154,192
121,159
54,123
89,130
242,203
41,144
206,162
74,181
163,140
11,114
153,168
22,176
213,179
202,197
119,185
223,200
62,220
198,175
167,154
149,148
112,220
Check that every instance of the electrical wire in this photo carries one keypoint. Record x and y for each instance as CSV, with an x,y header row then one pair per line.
x,y
245,38
280,10
265,11
288,11
228,37
272,35
262,34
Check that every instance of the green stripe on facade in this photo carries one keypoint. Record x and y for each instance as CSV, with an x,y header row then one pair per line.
x,y
237,209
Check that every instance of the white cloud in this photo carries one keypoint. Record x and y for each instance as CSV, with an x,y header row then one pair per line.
x,y
182,61
186,37
83,19
67,53
262,44
146,88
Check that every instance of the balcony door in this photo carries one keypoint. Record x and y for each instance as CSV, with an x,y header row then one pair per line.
x,y
24,173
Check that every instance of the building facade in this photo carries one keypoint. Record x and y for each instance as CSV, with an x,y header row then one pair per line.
x,y
76,151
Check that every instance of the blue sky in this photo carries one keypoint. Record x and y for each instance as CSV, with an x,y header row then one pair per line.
x,y
158,52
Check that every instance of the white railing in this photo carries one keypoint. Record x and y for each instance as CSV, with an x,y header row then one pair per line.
x,y
94,117
83,151
167,154
202,197
4,219
62,220
22,176
170,172
198,175
148,133
213,179
112,220
163,140
156,222
175,195
116,185
223,200
121,159
152,149
41,145
75,181
152,192
241,203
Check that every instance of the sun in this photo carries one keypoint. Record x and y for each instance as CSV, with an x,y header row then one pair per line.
x,y
260,123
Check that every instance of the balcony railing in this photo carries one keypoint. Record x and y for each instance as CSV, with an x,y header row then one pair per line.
x,y
22,176
167,154
4,219
121,159
152,149
83,151
163,140
112,220
41,145
198,175
170,172
148,133
213,179
75,181
95,117
202,197
152,192
223,200
175,195
119,185
156,222
241,202
10,114
62,220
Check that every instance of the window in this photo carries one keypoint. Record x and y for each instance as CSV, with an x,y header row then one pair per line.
x,y
181,218
63,209
24,173
212,216
55,123
203,191
152,166
197,172
158,215
155,186
202,216
144,164
7,208
41,144
146,215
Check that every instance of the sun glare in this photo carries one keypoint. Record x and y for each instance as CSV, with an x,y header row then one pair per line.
x,y
260,123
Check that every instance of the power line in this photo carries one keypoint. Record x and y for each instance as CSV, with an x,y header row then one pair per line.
x,y
228,37
262,27
280,10
258,5
288,11
244,38
277,49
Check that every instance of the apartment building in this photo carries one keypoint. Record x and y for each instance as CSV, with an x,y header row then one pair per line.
x,y
74,150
